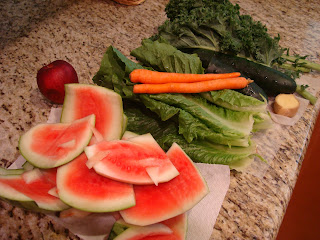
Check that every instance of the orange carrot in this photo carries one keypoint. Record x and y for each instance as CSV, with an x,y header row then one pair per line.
x,y
148,76
204,86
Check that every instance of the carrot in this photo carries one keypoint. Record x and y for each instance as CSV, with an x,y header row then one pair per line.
x,y
148,76
204,86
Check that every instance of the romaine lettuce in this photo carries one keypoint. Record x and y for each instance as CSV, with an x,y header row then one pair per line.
x,y
206,131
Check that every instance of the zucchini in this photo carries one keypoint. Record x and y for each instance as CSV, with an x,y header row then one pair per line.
x,y
252,89
272,81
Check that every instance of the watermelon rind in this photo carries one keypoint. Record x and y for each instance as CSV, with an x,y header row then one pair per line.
x,y
118,227
128,134
43,160
137,232
25,199
56,205
86,202
27,166
81,100
124,124
5,171
167,200
19,199
10,193
177,224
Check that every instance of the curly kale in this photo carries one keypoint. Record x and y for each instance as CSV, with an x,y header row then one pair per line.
x,y
218,25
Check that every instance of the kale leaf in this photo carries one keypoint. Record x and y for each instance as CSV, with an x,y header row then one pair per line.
x,y
218,25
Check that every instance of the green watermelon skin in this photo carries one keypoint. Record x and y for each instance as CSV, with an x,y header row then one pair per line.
x,y
177,224
132,232
82,100
82,188
158,203
5,171
52,145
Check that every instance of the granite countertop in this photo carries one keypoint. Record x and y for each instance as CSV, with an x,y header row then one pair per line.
x,y
34,33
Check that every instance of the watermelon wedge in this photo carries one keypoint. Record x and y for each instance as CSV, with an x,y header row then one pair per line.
x,y
177,224
84,189
158,203
52,145
34,186
123,231
7,189
82,100
138,161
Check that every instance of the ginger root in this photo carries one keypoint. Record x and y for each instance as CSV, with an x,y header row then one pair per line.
x,y
286,105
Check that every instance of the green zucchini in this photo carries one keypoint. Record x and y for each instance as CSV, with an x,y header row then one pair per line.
x,y
252,89
272,81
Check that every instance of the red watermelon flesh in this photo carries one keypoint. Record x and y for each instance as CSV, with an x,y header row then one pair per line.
x,y
82,100
38,189
131,161
84,189
167,200
51,145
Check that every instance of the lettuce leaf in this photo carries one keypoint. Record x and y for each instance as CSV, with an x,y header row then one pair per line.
x,y
114,73
163,57
142,120
190,126
206,131
233,100
228,122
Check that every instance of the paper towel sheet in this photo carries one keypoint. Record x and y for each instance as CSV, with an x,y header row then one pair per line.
x,y
202,217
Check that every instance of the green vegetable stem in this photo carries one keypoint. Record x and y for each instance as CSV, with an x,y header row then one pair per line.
x,y
301,90
301,63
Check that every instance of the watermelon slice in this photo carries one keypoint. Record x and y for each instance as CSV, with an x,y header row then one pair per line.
x,y
7,189
178,225
123,231
82,100
52,145
84,189
138,161
33,185
158,203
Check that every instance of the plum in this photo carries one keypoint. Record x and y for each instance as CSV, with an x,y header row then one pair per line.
x,y
52,78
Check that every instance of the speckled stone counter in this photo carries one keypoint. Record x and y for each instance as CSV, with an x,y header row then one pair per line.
x,y
34,33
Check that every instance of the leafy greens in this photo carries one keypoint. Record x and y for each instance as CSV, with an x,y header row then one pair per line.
x,y
207,132
217,25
